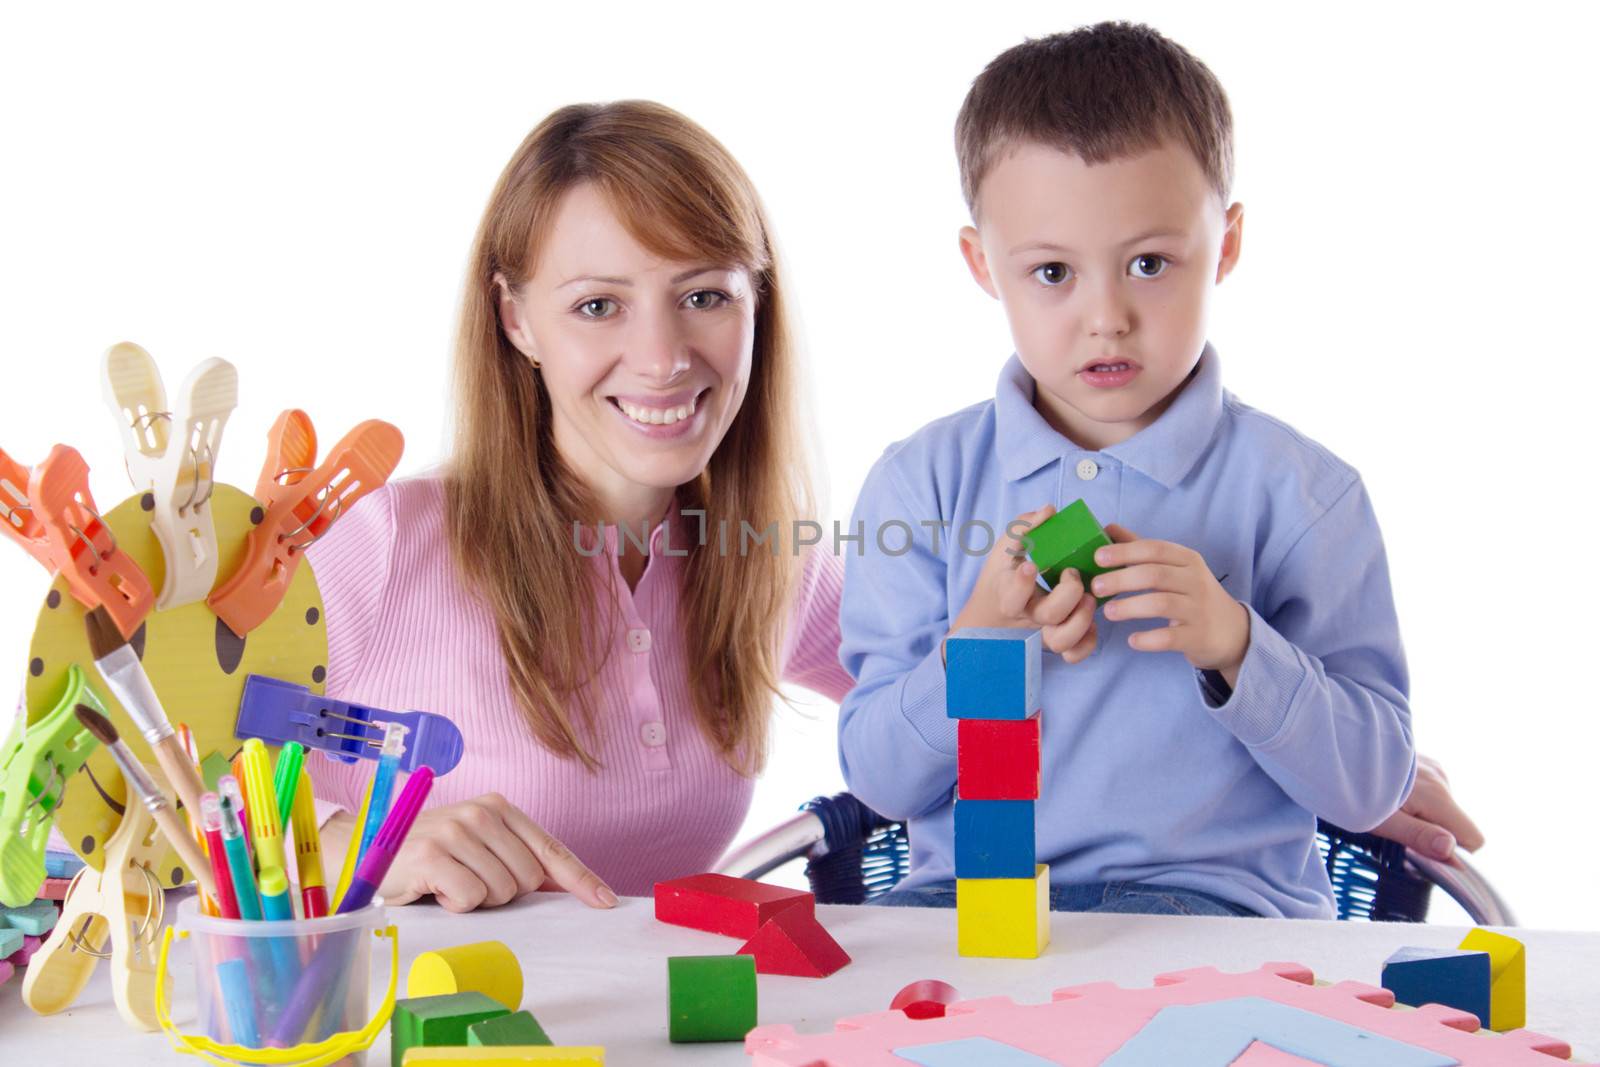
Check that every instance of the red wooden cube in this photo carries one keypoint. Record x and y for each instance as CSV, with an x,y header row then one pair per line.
x,y
998,759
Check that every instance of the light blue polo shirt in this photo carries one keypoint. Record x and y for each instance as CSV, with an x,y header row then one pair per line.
x,y
1152,771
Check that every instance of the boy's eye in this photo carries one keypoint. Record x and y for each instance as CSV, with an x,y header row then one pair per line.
x,y
601,307
1148,265
706,299
1052,273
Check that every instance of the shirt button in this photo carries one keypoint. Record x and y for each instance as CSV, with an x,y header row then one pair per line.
x,y
653,734
639,640
1087,469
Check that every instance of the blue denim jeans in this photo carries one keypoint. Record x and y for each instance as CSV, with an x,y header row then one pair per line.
x,y
1115,897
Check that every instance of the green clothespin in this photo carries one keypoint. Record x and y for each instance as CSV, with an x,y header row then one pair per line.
x,y
286,777
36,761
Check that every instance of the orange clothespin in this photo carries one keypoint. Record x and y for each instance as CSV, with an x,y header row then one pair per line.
x,y
82,546
17,516
301,504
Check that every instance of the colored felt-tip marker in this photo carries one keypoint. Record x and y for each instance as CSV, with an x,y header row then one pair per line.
x,y
266,831
211,826
285,777
308,851
275,904
394,746
238,853
375,864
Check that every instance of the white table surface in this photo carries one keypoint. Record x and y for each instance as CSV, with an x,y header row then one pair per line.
x,y
600,978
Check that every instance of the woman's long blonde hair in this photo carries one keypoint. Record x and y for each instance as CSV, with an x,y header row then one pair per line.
x,y
512,500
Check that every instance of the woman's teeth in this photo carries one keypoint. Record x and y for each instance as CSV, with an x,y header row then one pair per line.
x,y
1101,367
657,416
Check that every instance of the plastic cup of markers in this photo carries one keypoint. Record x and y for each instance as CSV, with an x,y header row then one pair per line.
x,y
290,993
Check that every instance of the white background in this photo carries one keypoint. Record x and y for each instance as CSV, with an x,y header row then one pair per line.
x,y
295,190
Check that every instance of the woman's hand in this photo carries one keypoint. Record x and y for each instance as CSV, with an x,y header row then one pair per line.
x,y
1430,821
479,853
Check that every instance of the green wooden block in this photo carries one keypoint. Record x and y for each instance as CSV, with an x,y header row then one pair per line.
x,y
34,919
437,1022
712,998
1067,540
518,1028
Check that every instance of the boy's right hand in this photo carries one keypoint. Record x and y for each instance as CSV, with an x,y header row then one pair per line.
x,y
480,853
1008,594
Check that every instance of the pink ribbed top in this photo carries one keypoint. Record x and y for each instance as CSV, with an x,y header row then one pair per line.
x,y
404,633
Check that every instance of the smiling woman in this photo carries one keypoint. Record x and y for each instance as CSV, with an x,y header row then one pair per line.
x,y
623,360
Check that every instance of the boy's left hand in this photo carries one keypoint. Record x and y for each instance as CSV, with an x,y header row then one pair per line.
x,y
1208,626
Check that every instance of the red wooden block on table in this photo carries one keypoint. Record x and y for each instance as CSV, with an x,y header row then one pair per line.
x,y
719,904
998,759
793,942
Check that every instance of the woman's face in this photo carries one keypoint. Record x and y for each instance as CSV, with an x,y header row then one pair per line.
x,y
646,361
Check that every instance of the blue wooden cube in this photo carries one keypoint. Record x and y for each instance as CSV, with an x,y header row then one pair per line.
x,y
994,838
1448,976
992,674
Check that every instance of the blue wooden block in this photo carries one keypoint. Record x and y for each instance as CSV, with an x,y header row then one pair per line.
x,y
10,941
1452,977
992,673
994,838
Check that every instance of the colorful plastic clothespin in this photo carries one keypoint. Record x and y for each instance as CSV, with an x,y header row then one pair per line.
x,y
300,506
82,547
123,901
17,516
173,455
35,763
279,712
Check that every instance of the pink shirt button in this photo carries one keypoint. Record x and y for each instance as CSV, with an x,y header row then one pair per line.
x,y
653,734
639,639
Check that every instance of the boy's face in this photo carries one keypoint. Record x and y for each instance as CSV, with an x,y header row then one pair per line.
x,y
1105,272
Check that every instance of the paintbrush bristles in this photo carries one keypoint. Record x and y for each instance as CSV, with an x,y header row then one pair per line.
x,y
97,724
104,636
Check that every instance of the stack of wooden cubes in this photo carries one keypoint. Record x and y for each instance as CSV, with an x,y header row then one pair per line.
x,y
1002,892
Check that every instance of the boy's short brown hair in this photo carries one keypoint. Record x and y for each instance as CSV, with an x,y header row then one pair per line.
x,y
1101,92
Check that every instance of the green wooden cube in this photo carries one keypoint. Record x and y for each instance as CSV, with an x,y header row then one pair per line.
x,y
437,1022
712,998
1067,540
518,1028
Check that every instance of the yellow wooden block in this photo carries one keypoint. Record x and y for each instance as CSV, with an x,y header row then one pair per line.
x,y
1508,977
507,1056
1003,916
486,967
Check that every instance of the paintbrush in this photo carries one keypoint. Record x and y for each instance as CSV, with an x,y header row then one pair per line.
x,y
140,782
120,667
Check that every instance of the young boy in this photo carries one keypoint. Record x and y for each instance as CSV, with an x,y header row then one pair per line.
x,y
1248,677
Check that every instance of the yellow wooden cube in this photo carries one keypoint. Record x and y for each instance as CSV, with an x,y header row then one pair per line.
x,y
1003,916
1508,977
508,1056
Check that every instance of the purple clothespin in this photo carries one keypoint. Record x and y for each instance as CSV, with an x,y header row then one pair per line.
x,y
278,712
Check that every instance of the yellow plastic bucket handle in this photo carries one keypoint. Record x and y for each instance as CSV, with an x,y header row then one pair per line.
x,y
315,1054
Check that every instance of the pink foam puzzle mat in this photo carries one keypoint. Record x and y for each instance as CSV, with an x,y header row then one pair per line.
x,y
1276,1016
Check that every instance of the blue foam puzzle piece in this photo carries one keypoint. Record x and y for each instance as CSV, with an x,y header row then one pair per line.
x,y
992,673
1217,1034
994,839
61,864
967,1051
10,941
36,918
1456,978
